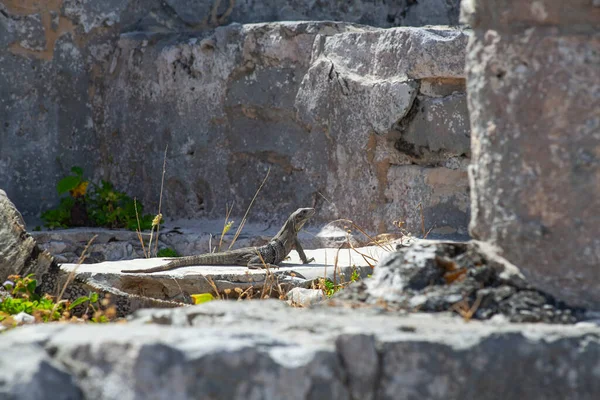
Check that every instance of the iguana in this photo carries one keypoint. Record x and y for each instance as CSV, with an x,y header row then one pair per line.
x,y
270,254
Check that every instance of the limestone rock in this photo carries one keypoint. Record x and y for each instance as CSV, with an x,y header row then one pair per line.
x,y
19,253
28,372
305,297
436,276
533,83
233,101
377,122
237,350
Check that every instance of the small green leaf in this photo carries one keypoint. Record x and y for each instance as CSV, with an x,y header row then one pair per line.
x,y
167,252
94,298
99,320
31,286
79,301
67,183
77,171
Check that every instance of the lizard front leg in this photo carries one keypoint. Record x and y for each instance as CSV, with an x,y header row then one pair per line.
x,y
300,251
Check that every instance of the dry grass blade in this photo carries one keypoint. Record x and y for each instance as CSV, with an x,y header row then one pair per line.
x,y
427,234
239,229
162,185
246,293
358,228
214,20
335,264
139,228
213,286
227,12
422,219
364,256
71,275
226,225
325,198
268,277
463,309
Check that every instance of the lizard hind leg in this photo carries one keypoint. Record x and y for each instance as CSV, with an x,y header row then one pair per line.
x,y
262,266
258,263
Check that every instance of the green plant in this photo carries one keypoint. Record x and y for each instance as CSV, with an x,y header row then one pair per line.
x,y
167,252
103,206
21,296
93,303
113,209
60,217
330,288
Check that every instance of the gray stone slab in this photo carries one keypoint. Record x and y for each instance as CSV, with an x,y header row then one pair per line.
x,y
267,350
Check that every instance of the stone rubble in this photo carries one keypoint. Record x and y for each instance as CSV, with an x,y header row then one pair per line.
x,y
302,297
460,277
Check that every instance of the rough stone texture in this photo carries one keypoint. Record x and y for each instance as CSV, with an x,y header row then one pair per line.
x,y
266,350
108,85
29,374
379,124
534,97
305,297
467,278
19,253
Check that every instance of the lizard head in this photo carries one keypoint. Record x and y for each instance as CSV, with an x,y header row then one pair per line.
x,y
300,216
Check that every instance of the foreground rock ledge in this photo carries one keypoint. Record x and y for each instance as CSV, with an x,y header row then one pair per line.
x,y
267,350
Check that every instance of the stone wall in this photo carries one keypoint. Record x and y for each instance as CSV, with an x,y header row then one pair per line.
x,y
534,97
372,134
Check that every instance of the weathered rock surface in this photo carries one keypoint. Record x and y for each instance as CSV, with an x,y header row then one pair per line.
x,y
467,278
19,253
305,297
534,83
379,123
241,350
109,85
262,80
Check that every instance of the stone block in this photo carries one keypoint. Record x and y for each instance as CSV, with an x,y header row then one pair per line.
x,y
107,86
533,83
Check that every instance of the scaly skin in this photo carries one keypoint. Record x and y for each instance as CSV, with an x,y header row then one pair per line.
x,y
271,254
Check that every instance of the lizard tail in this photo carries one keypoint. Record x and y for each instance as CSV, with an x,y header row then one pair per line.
x,y
167,267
